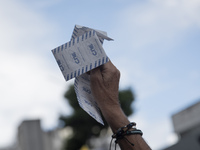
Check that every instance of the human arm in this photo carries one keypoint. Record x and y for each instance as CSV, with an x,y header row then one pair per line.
x,y
105,85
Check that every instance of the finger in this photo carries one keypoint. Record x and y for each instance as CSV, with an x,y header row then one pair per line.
x,y
109,71
108,67
95,74
94,71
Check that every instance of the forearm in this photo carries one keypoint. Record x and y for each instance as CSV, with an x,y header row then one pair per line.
x,y
105,85
116,118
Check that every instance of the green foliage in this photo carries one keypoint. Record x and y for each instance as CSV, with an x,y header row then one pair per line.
x,y
84,126
126,98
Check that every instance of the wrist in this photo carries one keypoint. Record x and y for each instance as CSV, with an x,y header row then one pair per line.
x,y
108,103
115,117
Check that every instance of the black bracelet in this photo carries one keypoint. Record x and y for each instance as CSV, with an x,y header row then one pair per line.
x,y
137,131
124,131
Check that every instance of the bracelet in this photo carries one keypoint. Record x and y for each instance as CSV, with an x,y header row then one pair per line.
x,y
126,130
122,130
134,132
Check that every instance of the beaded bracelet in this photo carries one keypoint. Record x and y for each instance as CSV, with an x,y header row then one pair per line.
x,y
123,131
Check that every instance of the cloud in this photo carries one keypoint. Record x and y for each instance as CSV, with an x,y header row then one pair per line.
x,y
153,21
149,33
23,29
29,90
149,44
31,85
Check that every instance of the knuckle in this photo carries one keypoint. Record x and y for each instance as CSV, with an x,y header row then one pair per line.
x,y
116,72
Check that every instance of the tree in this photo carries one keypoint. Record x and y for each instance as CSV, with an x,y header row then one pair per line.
x,y
83,126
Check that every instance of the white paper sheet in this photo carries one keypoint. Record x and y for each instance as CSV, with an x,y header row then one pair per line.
x,y
81,54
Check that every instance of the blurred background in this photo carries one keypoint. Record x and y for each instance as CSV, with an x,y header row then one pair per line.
x,y
156,48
